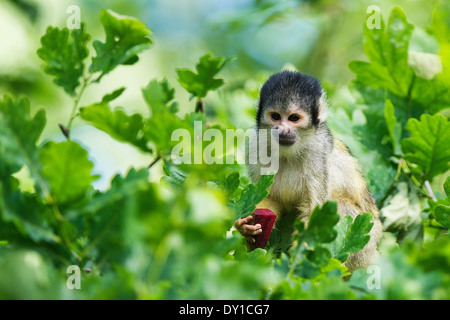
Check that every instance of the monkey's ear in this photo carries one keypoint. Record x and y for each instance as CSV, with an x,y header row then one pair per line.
x,y
323,107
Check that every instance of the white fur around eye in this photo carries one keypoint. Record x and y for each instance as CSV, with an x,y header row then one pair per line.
x,y
304,121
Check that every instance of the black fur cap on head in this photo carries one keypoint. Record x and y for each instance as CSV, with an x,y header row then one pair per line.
x,y
286,87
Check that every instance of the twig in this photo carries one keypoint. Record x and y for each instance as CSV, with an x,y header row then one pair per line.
x,y
154,161
66,130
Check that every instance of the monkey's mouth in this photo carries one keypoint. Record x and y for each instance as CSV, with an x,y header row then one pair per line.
x,y
284,141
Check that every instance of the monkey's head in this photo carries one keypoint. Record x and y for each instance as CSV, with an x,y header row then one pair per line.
x,y
293,103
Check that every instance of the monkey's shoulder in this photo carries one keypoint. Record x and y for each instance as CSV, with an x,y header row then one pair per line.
x,y
346,181
342,147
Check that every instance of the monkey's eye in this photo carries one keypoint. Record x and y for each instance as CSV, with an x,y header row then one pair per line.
x,y
294,118
275,116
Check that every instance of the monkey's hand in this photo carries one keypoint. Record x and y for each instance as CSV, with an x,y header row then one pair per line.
x,y
247,230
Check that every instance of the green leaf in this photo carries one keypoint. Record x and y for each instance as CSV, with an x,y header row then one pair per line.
x,y
442,210
356,236
159,131
67,169
307,269
333,267
394,128
396,72
64,52
339,242
429,145
126,37
114,217
23,217
321,224
19,133
396,46
319,256
251,196
113,96
442,215
175,176
198,84
387,50
375,75
447,187
159,96
121,188
117,124
431,95
281,236
231,183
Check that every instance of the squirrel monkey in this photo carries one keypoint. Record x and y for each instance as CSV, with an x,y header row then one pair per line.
x,y
313,166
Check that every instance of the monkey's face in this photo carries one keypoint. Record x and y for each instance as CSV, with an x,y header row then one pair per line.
x,y
291,103
290,124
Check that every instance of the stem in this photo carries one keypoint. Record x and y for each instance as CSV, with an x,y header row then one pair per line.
x,y
296,258
63,232
160,259
66,130
158,157
424,186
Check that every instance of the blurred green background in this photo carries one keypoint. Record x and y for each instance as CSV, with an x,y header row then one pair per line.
x,y
316,37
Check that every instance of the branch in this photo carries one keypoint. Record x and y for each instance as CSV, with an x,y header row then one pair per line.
x,y
66,130
154,162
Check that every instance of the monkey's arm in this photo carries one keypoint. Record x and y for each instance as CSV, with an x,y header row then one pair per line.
x,y
271,204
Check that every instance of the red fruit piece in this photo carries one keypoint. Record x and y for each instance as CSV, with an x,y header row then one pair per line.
x,y
266,218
